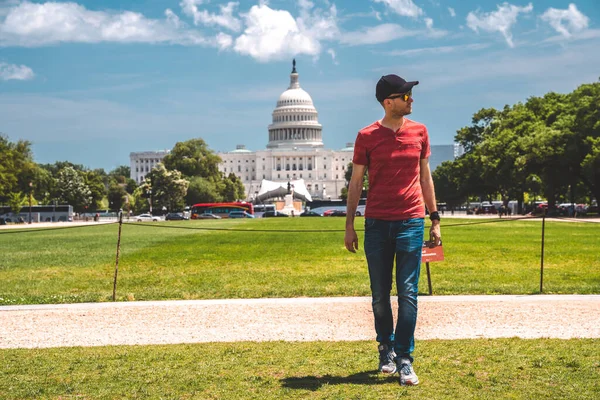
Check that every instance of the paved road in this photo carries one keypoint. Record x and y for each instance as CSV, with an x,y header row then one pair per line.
x,y
303,319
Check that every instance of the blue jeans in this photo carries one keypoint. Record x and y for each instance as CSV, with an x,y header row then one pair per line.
x,y
403,240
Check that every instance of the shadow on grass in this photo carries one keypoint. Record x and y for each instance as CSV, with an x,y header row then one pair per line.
x,y
315,382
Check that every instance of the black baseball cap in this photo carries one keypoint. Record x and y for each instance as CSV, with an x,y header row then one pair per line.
x,y
390,84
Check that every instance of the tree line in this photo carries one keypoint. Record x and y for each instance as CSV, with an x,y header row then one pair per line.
x,y
546,147
188,174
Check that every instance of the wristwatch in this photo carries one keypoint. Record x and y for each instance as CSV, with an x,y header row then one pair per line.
x,y
434,216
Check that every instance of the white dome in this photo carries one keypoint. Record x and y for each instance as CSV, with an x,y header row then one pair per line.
x,y
294,97
295,119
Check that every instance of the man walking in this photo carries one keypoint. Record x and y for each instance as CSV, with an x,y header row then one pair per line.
x,y
395,151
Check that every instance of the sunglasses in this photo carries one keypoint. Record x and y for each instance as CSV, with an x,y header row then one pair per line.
x,y
403,96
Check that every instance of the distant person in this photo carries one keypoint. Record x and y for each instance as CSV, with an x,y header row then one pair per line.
x,y
395,151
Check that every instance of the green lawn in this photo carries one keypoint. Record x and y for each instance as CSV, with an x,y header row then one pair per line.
x,y
458,369
77,265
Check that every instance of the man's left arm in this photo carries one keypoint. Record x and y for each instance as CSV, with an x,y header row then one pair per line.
x,y
429,197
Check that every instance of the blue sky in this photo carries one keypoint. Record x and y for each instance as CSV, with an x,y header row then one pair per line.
x,y
91,81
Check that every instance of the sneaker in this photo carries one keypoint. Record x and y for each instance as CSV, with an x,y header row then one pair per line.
x,y
386,359
407,373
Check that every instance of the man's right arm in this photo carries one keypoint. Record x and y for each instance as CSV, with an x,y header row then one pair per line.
x,y
354,190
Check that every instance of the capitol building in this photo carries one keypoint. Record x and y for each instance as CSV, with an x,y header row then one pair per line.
x,y
294,151
294,155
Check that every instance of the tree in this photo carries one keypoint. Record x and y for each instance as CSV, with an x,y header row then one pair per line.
x,y
17,168
202,190
94,180
116,196
233,188
121,174
448,187
16,201
591,166
482,124
348,176
168,188
193,158
71,189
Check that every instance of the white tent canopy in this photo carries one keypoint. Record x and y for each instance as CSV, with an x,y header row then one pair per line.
x,y
270,189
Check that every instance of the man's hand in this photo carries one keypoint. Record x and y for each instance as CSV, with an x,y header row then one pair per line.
x,y
351,240
435,234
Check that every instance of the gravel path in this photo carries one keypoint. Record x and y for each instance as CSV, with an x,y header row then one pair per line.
x,y
303,319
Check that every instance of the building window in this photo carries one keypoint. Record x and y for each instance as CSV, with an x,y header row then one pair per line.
x,y
337,177
263,167
325,176
263,176
293,167
316,186
287,167
239,168
310,167
309,176
278,177
324,166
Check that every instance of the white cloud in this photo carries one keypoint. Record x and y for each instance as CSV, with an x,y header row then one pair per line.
x,y
386,33
274,34
402,7
225,19
498,21
377,34
224,41
438,50
428,23
331,52
15,72
172,18
566,22
32,24
452,12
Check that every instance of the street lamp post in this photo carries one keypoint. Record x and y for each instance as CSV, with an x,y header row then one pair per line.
x,y
54,211
150,199
30,190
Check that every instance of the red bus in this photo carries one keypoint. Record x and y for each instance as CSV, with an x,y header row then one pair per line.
x,y
221,209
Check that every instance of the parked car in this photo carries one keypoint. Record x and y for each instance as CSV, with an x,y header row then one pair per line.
x,y
240,214
270,214
337,213
310,214
208,216
146,217
175,217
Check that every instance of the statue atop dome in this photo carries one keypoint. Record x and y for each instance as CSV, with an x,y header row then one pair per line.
x,y
294,66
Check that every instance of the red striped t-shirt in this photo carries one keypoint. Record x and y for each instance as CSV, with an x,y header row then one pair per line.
x,y
393,162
